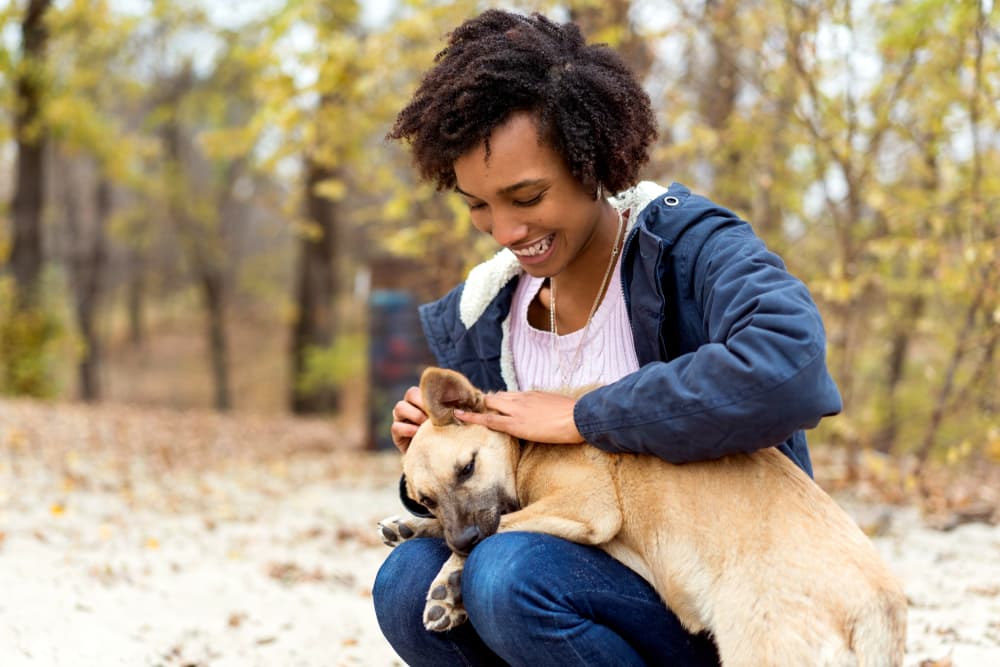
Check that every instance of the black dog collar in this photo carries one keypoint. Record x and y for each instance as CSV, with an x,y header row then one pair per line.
x,y
414,508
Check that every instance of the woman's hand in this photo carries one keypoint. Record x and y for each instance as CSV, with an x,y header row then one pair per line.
x,y
530,415
407,415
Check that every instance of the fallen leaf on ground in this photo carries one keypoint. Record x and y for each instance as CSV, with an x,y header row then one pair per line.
x,y
943,662
292,573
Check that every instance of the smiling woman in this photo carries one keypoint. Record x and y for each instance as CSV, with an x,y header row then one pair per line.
x,y
703,344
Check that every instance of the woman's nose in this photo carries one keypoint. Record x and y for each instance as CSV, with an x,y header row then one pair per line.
x,y
507,230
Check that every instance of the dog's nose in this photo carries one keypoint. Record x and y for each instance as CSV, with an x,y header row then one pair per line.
x,y
468,538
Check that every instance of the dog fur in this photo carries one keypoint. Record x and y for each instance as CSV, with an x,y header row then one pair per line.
x,y
747,546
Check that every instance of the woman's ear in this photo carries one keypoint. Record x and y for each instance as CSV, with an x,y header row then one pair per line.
x,y
445,391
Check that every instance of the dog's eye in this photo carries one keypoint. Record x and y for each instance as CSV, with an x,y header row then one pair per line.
x,y
467,471
427,502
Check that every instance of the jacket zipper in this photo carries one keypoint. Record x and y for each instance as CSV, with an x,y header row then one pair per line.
x,y
621,277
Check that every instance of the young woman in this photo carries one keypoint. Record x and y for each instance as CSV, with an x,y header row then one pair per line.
x,y
704,344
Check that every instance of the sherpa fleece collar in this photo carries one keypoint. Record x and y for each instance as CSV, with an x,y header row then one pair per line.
x,y
486,280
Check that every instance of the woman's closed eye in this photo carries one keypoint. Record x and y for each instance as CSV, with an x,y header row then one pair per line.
x,y
522,203
530,202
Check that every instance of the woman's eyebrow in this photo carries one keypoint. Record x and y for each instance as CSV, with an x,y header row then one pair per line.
x,y
528,182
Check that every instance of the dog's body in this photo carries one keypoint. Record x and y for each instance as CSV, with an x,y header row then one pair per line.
x,y
747,547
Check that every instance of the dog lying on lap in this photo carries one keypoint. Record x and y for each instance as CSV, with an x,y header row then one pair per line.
x,y
728,570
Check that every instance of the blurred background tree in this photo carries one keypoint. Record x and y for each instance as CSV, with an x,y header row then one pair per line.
x,y
27,329
175,166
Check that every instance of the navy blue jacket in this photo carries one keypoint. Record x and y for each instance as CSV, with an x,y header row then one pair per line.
x,y
731,346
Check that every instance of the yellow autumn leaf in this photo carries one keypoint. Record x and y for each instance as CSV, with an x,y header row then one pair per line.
x,y
308,229
993,444
331,188
958,452
397,208
16,438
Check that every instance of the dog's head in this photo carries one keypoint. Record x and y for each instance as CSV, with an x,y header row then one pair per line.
x,y
462,473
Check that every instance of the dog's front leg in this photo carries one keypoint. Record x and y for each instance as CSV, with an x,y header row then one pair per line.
x,y
396,529
444,609
582,522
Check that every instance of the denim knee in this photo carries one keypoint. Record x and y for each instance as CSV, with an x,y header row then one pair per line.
x,y
535,599
399,594
504,586
400,588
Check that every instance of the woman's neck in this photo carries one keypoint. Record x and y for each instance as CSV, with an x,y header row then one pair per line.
x,y
578,287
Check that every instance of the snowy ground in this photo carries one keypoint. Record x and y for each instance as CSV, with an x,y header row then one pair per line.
x,y
137,538
952,580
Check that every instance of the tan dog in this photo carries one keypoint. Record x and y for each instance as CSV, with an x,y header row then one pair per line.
x,y
747,547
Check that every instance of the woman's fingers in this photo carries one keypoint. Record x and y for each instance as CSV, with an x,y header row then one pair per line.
x,y
411,408
414,397
533,415
407,415
402,433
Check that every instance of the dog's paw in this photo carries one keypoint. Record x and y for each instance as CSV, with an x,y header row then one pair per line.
x,y
444,609
394,530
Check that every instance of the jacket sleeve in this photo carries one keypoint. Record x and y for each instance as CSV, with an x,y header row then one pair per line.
x,y
761,377
442,327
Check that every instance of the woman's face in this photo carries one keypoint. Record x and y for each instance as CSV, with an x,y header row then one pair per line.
x,y
526,198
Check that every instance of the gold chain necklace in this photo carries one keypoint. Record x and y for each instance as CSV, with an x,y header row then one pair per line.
x,y
565,374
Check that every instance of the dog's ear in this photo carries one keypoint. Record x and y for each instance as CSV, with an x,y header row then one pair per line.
x,y
445,391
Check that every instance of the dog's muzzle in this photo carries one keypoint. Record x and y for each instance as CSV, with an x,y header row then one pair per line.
x,y
468,538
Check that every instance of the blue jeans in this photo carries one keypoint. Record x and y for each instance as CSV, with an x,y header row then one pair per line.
x,y
536,600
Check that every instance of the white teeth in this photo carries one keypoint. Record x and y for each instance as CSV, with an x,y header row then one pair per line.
x,y
536,248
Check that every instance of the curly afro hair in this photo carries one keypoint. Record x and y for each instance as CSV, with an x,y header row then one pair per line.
x,y
588,104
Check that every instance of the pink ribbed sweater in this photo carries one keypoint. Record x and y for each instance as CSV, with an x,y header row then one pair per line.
x,y
607,353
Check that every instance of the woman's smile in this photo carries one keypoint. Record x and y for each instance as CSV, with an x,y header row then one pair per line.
x,y
535,252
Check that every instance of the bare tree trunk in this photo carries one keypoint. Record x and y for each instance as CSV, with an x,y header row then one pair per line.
x,y
210,276
213,296
135,298
903,327
899,349
26,251
215,292
958,354
316,285
88,252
